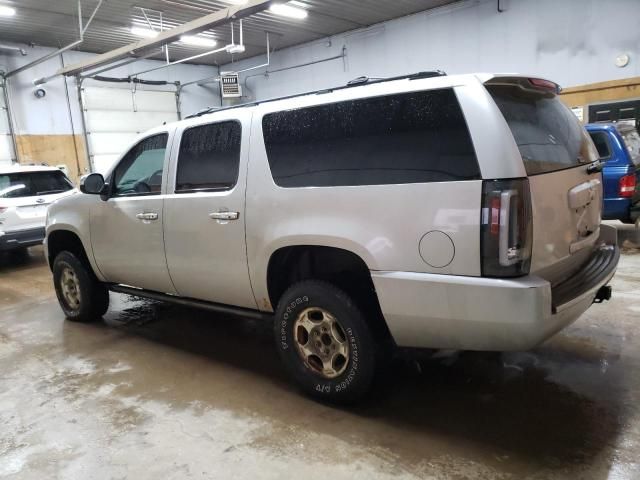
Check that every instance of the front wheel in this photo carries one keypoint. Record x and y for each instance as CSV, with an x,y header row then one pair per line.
x,y
81,296
325,342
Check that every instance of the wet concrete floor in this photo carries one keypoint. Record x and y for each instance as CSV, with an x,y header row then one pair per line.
x,y
161,392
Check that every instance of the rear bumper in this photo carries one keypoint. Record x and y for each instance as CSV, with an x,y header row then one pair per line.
x,y
474,313
21,238
616,208
634,213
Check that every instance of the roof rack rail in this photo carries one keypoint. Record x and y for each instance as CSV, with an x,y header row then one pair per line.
x,y
413,76
356,82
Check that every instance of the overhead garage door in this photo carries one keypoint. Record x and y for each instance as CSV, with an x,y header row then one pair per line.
x,y
6,144
116,116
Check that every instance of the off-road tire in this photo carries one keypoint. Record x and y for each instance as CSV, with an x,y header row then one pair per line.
x,y
350,385
93,295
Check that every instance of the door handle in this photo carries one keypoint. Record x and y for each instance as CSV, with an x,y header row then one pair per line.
x,y
224,215
147,216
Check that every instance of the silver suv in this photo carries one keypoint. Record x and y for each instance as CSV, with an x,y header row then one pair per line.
x,y
457,212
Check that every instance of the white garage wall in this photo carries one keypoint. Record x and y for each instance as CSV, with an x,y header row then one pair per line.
x,y
6,144
573,42
50,116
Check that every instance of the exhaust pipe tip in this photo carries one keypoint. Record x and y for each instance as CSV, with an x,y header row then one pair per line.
x,y
603,294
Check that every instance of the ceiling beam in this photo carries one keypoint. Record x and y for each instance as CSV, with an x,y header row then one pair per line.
x,y
221,17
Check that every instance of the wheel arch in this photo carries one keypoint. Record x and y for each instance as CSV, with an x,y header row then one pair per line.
x,y
63,239
341,267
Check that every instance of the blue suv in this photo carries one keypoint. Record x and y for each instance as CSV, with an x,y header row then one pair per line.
x,y
619,146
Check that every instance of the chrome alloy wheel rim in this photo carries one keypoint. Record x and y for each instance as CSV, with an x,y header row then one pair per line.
x,y
70,288
321,342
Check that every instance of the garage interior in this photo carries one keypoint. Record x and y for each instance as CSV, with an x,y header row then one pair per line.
x,y
166,391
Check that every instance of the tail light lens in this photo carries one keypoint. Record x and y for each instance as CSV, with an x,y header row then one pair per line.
x,y
627,186
506,228
545,85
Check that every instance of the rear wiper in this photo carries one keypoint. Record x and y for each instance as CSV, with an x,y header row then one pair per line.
x,y
595,167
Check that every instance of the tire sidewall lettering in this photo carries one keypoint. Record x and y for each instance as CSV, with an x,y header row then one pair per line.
x,y
323,386
284,339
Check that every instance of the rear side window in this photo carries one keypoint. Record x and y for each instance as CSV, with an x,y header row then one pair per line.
x,y
548,134
209,158
31,184
413,137
601,141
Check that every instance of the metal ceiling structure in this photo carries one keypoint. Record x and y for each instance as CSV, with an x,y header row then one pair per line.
x,y
55,23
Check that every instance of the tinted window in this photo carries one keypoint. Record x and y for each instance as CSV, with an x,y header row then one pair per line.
x,y
601,142
548,134
31,184
408,138
209,157
140,171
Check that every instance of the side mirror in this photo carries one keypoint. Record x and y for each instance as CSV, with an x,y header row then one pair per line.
x,y
92,184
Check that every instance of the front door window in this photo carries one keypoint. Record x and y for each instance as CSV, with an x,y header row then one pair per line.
x,y
140,171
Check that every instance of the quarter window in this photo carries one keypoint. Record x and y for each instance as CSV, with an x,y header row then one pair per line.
x,y
602,144
209,158
413,137
140,171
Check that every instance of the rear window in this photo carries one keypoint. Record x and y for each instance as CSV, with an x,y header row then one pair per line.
x,y
632,140
31,184
548,134
413,137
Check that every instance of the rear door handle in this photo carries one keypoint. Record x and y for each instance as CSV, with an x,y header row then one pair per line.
x,y
147,216
224,215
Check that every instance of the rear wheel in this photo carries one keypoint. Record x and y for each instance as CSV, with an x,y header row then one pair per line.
x,y
81,296
325,342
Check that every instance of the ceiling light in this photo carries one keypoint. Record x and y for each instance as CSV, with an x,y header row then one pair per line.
x,y
288,11
7,11
198,41
144,32
236,2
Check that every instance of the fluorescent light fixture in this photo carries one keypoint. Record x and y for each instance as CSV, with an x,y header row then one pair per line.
x,y
198,41
7,11
236,2
144,32
288,11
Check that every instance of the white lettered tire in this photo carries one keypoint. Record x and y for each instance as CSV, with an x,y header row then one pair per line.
x,y
325,342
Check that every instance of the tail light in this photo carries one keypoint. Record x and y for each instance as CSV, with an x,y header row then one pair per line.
x,y
545,85
506,228
627,186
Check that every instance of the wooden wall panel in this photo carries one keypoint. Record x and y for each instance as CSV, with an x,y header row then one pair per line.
x,y
54,150
611,91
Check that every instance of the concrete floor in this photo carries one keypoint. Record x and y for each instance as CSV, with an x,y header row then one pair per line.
x,y
157,392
